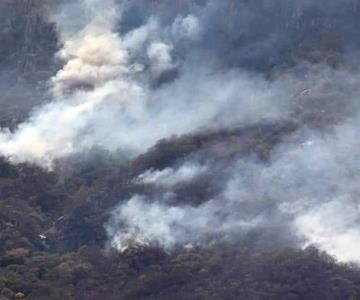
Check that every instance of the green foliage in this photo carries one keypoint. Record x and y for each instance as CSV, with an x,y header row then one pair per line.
x,y
69,262
15,256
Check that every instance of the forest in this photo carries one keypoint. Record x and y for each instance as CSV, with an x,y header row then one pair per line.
x,y
179,150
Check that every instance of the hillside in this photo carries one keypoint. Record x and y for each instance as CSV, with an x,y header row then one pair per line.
x,y
28,43
185,150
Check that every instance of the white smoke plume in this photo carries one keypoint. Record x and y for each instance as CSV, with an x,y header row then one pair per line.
x,y
126,89
333,227
308,193
170,176
94,59
102,95
160,57
140,223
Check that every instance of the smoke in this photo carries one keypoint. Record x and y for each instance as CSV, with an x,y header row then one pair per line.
x,y
162,74
138,72
170,177
160,57
306,195
334,227
140,223
104,95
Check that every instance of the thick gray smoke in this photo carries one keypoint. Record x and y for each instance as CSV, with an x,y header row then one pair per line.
x,y
132,68
103,94
308,192
137,72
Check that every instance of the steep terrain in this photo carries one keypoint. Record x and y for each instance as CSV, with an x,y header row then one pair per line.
x,y
28,43
61,237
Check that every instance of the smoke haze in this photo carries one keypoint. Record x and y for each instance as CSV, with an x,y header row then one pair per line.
x,y
135,73
307,191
